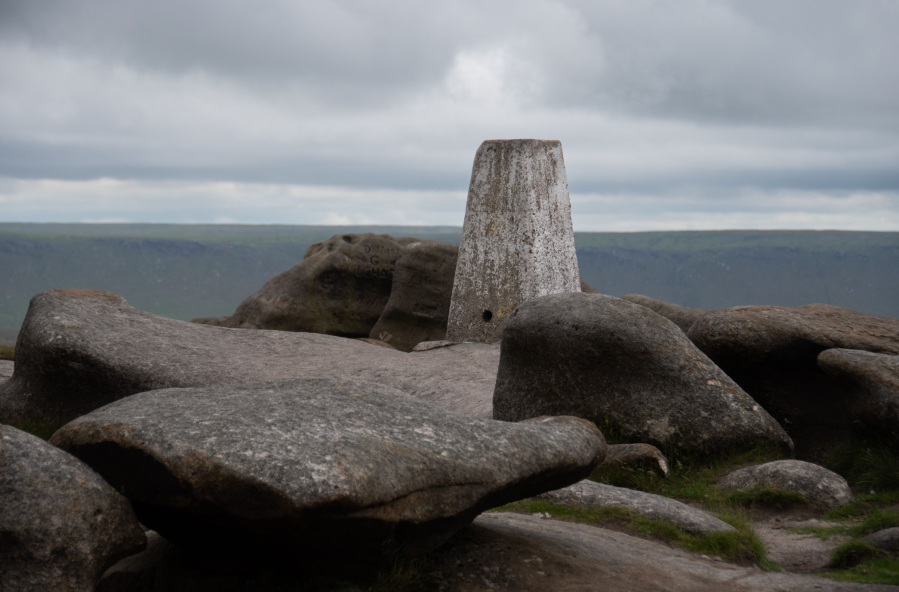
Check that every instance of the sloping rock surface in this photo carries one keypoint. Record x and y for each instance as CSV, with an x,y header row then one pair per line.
x,y
504,551
870,383
339,288
589,494
818,484
606,359
318,468
81,349
772,352
682,316
61,525
419,302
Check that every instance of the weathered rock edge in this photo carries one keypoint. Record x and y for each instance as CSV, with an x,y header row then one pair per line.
x,y
81,349
606,359
682,316
308,468
61,525
589,494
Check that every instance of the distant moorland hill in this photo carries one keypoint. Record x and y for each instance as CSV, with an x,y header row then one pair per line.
x,y
188,271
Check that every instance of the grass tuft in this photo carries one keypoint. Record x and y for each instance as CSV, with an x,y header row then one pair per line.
x,y
867,462
876,520
7,353
41,429
852,553
695,480
742,546
884,570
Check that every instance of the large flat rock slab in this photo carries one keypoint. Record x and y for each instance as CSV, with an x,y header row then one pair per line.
x,y
589,494
61,525
82,349
772,351
615,362
313,468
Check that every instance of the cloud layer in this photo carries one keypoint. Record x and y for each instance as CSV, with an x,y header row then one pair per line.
x,y
716,108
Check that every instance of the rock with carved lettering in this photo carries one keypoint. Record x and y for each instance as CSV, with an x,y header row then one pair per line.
x,y
610,360
419,303
318,469
339,288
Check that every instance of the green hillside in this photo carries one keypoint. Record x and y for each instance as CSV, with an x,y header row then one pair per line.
x,y
187,271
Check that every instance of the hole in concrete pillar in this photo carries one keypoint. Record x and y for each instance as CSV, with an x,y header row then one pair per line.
x,y
487,316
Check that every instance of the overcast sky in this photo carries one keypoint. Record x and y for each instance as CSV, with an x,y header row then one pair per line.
x,y
691,114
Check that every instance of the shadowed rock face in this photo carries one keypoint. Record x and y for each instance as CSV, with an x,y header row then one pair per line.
x,y
682,316
339,288
419,301
602,358
818,484
319,468
80,349
61,525
772,353
870,386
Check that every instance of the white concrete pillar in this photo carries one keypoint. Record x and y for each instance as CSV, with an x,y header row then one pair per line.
x,y
517,241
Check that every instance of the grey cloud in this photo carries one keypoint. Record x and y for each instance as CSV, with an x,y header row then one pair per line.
x,y
645,95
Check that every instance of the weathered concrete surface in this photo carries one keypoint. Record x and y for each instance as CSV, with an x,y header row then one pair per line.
x,y
517,240
606,359
870,386
772,352
61,525
636,455
81,349
505,551
339,288
589,494
818,484
316,468
419,302
682,316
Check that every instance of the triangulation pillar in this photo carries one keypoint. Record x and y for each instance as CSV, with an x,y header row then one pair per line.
x,y
517,241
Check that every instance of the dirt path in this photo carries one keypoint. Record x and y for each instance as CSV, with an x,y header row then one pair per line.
x,y
797,553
